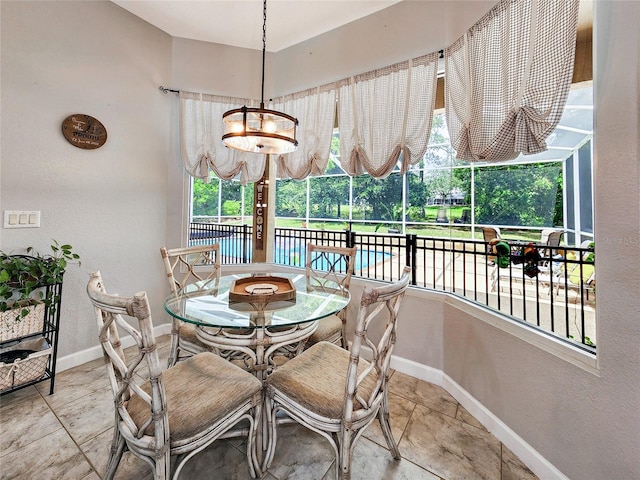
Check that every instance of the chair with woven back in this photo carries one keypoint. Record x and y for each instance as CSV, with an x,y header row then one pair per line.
x,y
337,393
329,267
178,411
184,266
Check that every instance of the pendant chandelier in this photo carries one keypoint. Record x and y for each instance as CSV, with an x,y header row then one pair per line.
x,y
259,130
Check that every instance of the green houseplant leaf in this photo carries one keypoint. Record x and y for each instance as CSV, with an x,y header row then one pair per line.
x,y
22,277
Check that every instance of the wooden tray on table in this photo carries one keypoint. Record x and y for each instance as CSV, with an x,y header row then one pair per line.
x,y
261,290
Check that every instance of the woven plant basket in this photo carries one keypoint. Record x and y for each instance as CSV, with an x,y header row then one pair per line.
x,y
11,328
28,369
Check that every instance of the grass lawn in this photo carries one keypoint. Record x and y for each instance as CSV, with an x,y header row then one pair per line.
x,y
442,231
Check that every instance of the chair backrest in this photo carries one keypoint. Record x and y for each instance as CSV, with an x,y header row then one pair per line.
x,y
489,233
379,306
328,264
551,237
191,264
125,375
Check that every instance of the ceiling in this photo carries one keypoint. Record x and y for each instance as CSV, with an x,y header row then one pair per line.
x,y
239,22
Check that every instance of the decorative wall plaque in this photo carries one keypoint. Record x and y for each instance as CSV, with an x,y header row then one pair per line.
x,y
84,131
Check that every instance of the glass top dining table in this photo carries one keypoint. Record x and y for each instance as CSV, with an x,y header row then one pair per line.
x,y
253,335
208,304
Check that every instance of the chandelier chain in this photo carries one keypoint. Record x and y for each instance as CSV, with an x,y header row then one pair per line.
x,y
264,47
260,130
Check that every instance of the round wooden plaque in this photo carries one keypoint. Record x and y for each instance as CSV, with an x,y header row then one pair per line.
x,y
84,131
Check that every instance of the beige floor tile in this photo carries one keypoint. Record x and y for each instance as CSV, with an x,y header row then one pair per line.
x,y
300,453
89,416
75,383
24,418
91,476
423,393
450,448
97,451
222,458
400,410
513,468
373,462
464,415
13,399
52,457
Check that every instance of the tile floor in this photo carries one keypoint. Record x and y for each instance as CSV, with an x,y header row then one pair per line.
x,y
67,436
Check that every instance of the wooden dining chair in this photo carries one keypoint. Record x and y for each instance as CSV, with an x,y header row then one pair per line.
x,y
178,411
337,393
326,268
185,266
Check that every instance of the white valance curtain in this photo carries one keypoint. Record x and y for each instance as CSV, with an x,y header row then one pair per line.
x,y
507,79
385,115
315,110
201,130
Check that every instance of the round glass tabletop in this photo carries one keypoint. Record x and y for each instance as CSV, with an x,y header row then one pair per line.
x,y
208,304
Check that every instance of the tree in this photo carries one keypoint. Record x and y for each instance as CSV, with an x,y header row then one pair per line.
x,y
325,192
382,195
417,195
517,194
291,198
205,198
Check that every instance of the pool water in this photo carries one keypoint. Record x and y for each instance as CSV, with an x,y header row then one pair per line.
x,y
294,254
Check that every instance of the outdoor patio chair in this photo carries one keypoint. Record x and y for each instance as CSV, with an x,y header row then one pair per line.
x,y
489,233
573,275
551,239
178,411
325,267
337,393
186,266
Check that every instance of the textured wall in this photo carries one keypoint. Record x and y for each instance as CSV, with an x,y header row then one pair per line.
x,y
60,58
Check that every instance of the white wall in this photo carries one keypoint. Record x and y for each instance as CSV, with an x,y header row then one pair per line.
x,y
401,32
92,57
60,58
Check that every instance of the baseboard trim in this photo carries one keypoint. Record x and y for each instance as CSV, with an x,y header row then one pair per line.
x,y
95,352
525,452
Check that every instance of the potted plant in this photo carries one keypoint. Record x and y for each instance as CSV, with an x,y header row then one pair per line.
x,y
24,278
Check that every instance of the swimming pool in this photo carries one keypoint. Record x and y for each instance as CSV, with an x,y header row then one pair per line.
x,y
288,251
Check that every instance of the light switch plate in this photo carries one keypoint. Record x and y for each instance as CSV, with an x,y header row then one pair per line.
x,y
21,219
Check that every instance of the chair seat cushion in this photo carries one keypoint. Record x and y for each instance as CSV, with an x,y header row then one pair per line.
x,y
316,379
328,329
200,391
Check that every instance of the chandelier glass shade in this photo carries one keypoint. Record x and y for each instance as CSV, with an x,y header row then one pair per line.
x,y
259,130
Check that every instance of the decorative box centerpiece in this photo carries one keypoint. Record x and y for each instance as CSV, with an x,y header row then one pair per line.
x,y
262,289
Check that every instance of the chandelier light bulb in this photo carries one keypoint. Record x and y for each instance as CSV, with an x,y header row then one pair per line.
x,y
236,127
269,126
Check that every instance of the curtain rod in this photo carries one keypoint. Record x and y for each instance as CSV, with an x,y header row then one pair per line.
x,y
167,90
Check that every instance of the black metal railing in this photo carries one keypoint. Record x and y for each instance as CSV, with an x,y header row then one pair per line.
x,y
550,288
235,240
